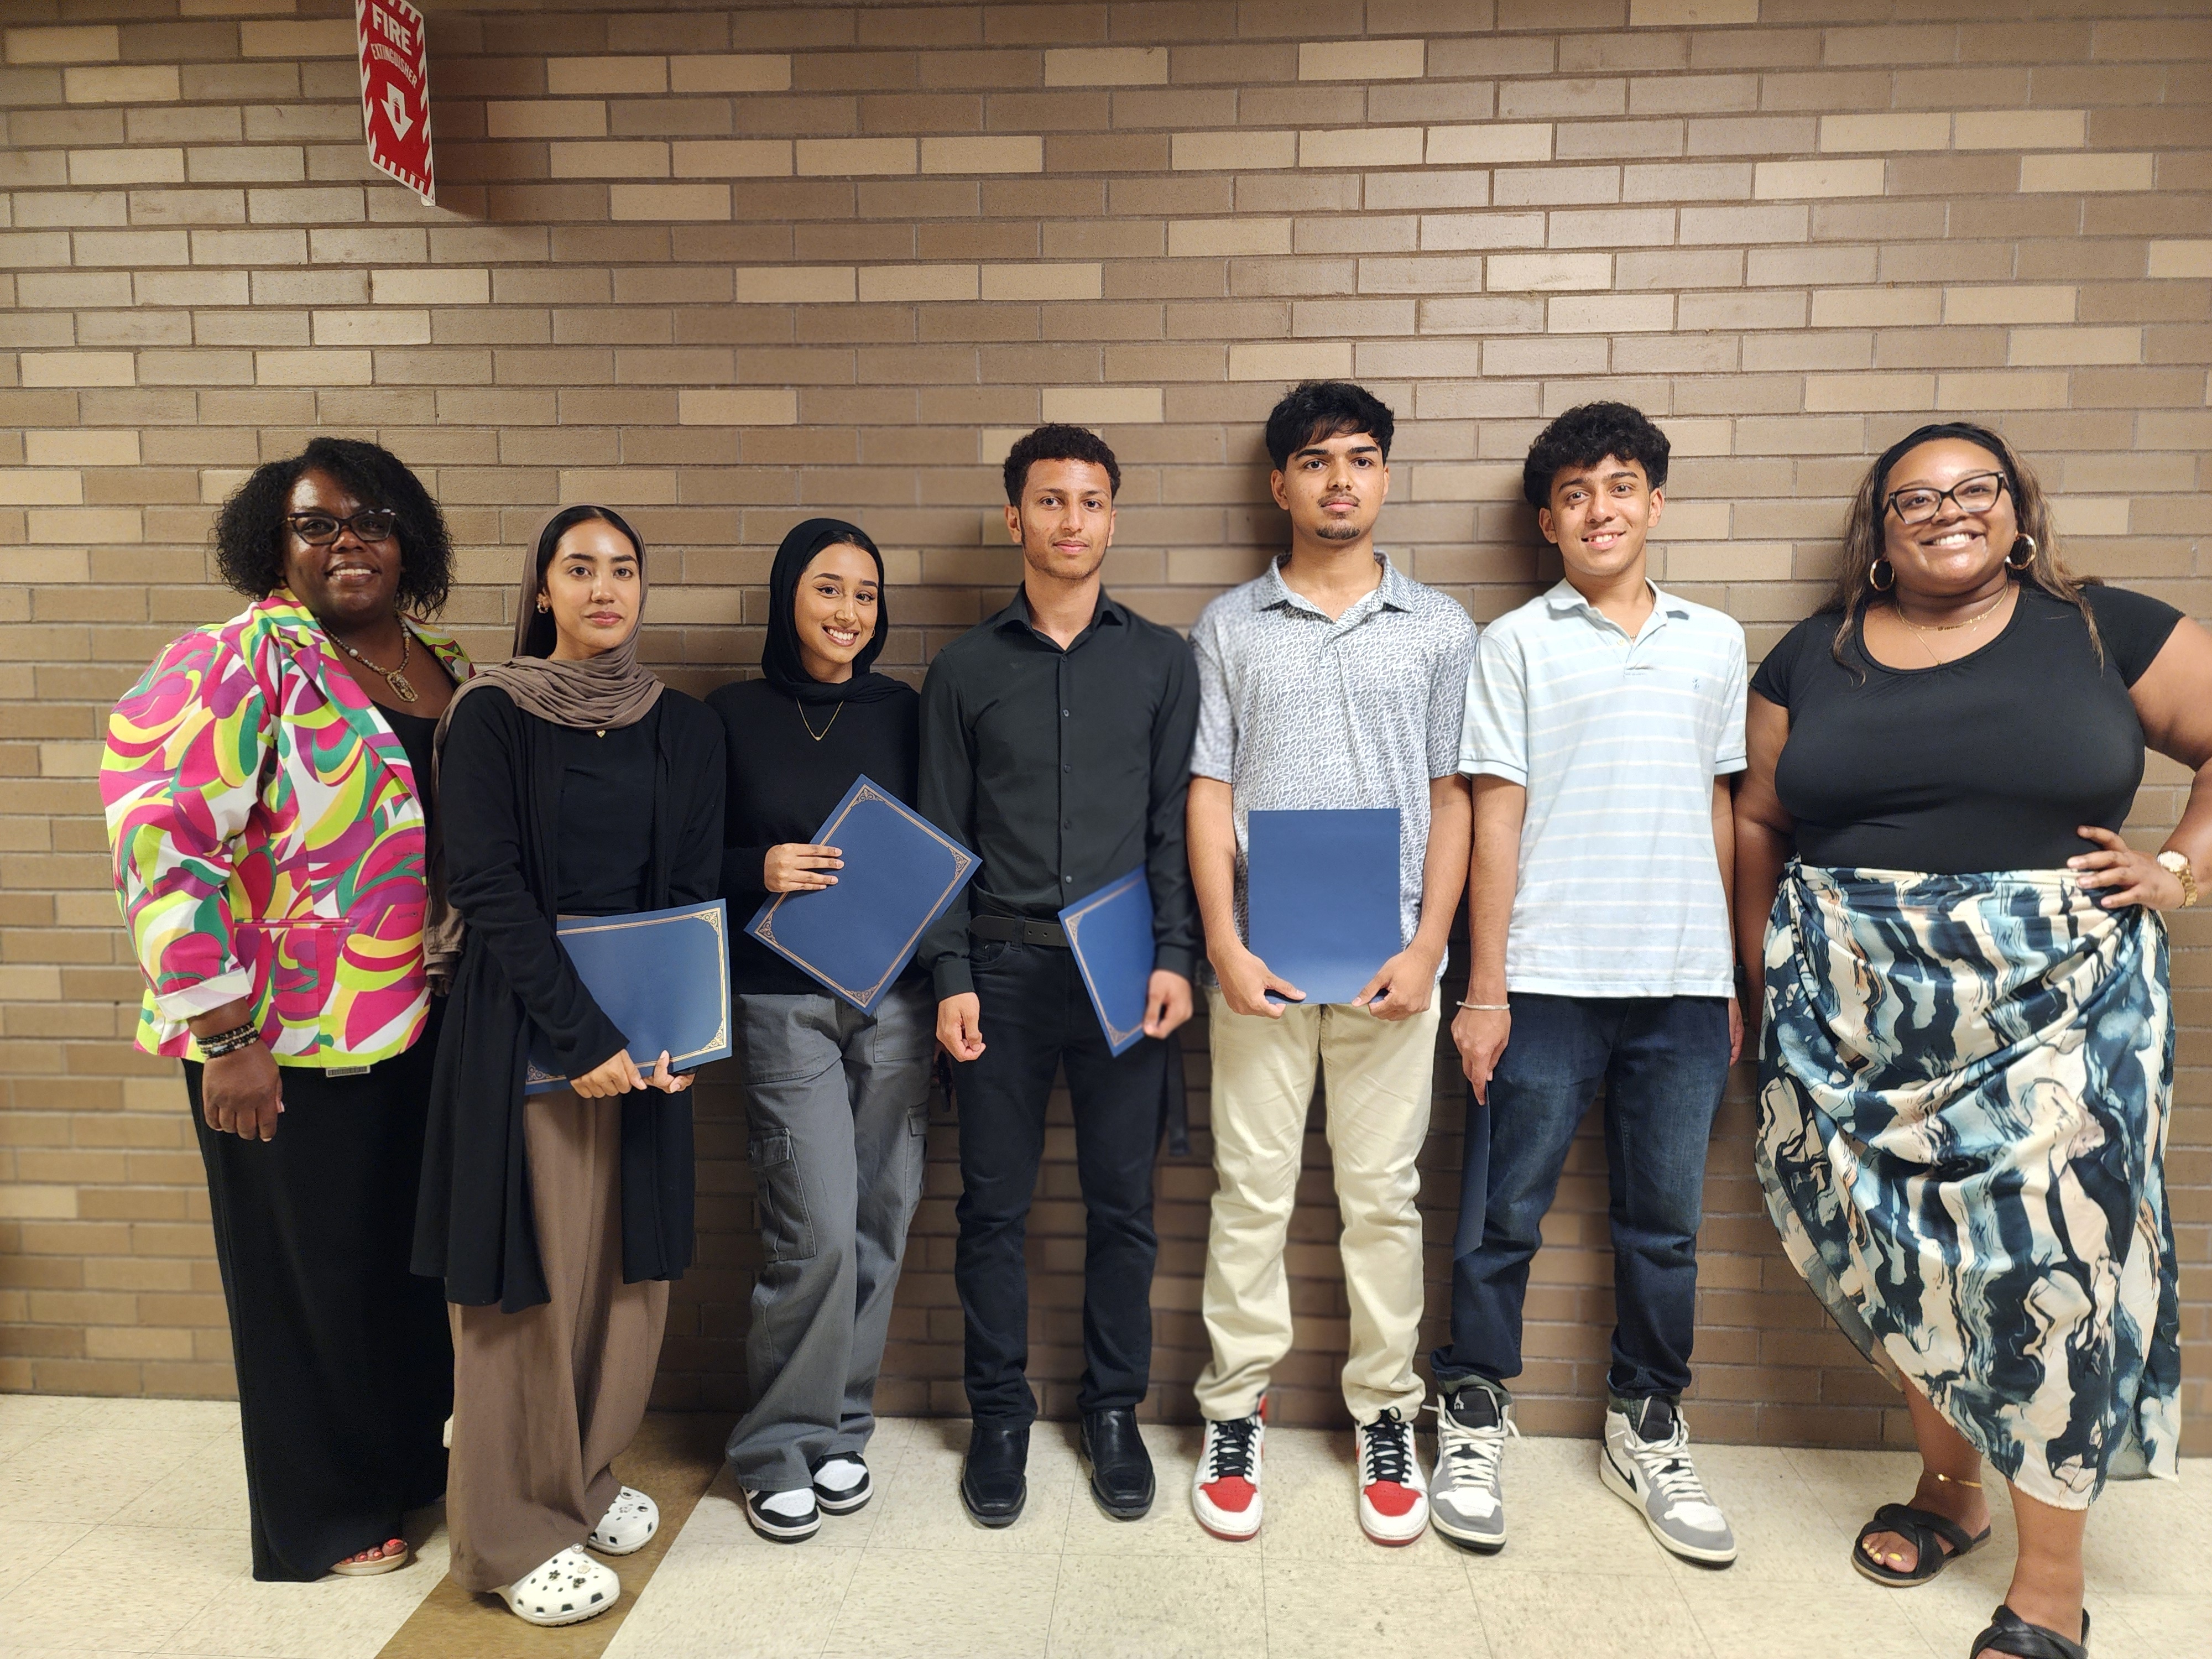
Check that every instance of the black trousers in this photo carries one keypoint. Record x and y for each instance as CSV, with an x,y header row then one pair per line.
x,y
345,1366
1036,1016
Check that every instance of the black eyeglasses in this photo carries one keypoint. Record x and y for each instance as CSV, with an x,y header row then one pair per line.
x,y
320,529
1918,504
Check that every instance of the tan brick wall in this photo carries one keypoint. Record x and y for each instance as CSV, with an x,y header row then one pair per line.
x,y
728,266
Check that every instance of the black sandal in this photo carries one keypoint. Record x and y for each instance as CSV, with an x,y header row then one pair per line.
x,y
1929,1532
2008,1633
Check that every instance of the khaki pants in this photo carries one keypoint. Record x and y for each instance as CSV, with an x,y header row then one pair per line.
x,y
545,1400
1378,1074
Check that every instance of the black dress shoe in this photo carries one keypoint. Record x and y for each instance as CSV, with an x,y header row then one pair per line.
x,y
994,1480
1121,1467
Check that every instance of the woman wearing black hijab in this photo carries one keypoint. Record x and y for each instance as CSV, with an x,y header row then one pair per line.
x,y
837,1101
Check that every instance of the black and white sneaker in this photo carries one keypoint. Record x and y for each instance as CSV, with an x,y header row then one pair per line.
x,y
842,1484
784,1517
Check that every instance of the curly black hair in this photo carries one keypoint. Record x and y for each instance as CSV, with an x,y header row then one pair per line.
x,y
1585,435
1057,441
249,533
1314,410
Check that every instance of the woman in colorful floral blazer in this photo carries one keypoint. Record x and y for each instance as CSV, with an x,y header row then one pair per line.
x,y
268,793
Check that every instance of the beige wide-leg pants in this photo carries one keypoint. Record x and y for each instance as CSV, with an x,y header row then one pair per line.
x,y
546,1399
1378,1074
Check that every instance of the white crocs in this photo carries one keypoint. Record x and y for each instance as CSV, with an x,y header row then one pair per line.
x,y
628,1526
566,1590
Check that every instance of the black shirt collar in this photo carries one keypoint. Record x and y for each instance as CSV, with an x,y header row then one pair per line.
x,y
1018,615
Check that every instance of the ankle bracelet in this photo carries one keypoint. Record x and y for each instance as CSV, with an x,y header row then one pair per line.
x,y
1954,1481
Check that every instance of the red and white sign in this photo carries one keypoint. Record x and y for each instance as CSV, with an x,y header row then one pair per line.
x,y
395,93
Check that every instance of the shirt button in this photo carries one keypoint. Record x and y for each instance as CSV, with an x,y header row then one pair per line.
x,y
1067,768
1067,881
1063,713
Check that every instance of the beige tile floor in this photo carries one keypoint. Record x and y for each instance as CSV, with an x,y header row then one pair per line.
x,y
124,1533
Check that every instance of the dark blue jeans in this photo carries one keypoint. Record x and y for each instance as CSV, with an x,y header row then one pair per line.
x,y
1663,1063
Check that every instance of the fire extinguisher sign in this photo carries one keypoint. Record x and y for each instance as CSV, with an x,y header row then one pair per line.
x,y
395,93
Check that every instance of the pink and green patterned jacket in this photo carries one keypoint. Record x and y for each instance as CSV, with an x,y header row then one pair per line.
x,y
269,841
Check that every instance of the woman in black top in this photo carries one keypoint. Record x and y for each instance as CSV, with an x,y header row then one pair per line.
x,y
572,783
1967,1063
837,1100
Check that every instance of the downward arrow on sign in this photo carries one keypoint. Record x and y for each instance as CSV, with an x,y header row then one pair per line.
x,y
395,110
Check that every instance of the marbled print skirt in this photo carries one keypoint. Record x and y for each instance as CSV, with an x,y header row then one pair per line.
x,y
1965,1083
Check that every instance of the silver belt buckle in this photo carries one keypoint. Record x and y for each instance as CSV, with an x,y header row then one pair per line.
x,y
346,1070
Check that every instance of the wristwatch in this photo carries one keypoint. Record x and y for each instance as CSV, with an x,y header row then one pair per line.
x,y
2178,864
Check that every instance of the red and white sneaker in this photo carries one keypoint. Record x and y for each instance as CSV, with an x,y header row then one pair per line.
x,y
1393,1499
1226,1492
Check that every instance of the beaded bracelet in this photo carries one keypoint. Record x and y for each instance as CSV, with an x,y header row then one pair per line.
x,y
230,1042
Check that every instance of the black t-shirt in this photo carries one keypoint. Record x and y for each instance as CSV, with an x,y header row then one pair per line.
x,y
783,783
417,734
605,818
1989,763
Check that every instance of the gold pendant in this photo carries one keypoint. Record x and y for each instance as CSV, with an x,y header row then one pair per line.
x,y
406,691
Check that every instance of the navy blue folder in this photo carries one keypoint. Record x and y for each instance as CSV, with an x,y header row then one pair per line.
x,y
662,977
900,871
1110,934
1321,897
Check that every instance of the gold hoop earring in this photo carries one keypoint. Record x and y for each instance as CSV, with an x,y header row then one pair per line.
x,y
1881,586
2014,561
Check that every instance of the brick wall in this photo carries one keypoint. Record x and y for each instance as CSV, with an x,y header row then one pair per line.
x,y
726,267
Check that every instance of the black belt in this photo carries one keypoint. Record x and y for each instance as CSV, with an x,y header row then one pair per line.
x,y
1018,930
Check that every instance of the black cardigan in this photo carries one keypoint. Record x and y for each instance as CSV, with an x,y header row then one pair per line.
x,y
499,802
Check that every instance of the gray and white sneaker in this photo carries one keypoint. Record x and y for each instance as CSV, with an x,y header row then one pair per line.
x,y
1645,1462
1467,1502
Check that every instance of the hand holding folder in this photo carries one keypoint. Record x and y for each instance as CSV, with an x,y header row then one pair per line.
x,y
662,977
1321,897
898,874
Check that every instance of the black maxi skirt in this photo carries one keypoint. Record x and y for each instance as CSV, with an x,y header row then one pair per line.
x,y
345,1363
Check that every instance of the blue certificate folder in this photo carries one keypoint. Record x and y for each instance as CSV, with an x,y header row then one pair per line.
x,y
1110,935
1321,897
663,977
900,871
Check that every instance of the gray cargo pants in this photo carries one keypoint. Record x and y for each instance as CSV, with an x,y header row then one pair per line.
x,y
838,1105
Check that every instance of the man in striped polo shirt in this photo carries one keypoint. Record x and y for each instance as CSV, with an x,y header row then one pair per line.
x,y
1604,719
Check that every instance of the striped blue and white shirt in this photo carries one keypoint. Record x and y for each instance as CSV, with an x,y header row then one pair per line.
x,y
1618,741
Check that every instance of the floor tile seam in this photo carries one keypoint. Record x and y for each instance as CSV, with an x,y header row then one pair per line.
x,y
1052,1613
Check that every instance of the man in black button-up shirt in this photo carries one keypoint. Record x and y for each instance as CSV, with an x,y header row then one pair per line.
x,y
1055,742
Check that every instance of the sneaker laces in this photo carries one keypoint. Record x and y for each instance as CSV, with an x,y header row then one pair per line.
x,y
1230,1446
1388,1445
1667,1464
1473,1452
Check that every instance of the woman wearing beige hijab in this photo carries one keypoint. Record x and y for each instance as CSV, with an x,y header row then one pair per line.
x,y
571,782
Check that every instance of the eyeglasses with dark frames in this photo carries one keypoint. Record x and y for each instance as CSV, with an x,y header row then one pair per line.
x,y
373,524
1918,503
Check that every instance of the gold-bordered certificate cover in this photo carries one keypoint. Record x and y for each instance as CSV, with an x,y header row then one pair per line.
x,y
900,873
662,977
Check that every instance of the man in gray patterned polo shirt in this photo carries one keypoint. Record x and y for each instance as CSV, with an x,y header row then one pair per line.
x,y
1333,681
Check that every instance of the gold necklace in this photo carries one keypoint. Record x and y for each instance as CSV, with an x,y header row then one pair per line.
x,y
1922,633
809,725
395,677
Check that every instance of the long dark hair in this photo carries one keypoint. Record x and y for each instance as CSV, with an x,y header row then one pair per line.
x,y
251,535
1863,532
539,639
